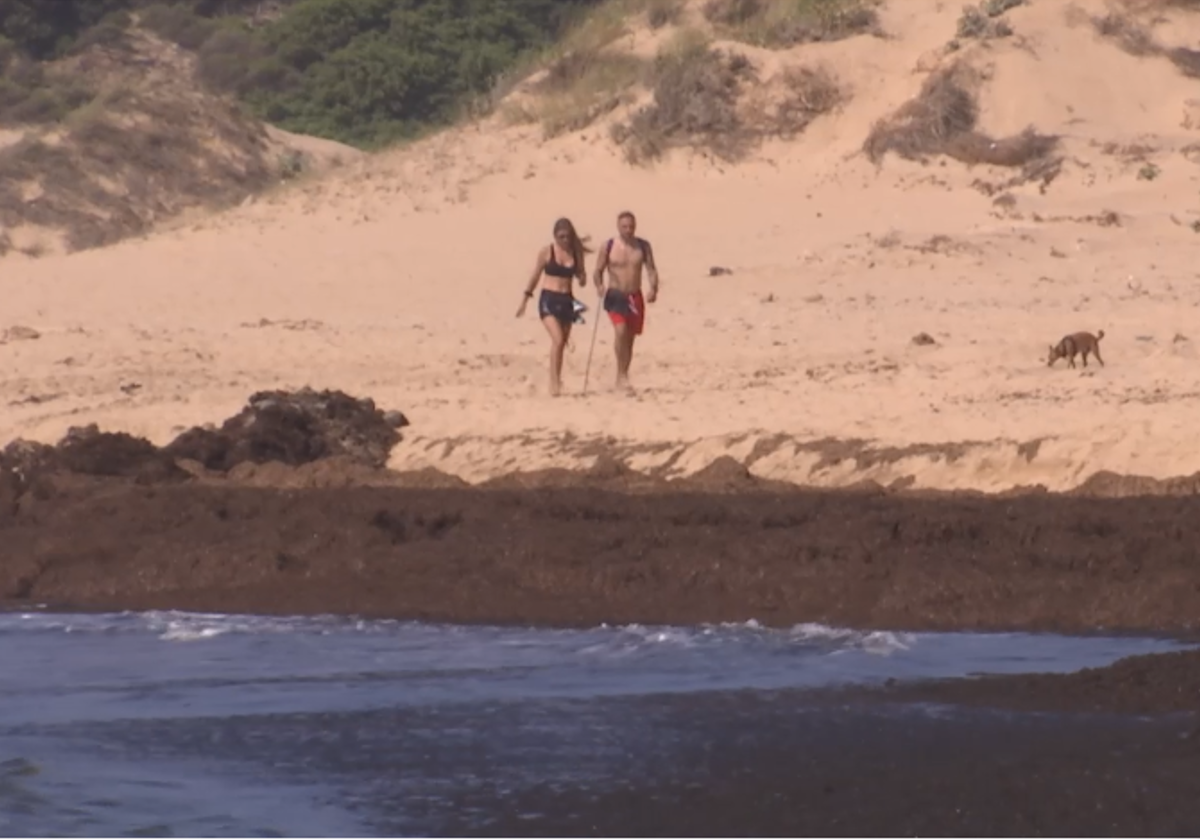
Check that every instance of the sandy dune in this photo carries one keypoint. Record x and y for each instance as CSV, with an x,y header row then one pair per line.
x,y
397,277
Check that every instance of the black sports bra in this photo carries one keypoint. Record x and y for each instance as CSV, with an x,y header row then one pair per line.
x,y
556,269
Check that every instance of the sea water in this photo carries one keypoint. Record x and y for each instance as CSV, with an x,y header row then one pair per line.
x,y
168,723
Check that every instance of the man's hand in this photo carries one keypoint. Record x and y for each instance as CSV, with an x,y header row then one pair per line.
x,y
651,271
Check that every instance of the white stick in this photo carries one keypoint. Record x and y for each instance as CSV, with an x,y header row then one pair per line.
x,y
595,329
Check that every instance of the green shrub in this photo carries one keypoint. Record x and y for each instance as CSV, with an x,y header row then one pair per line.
x,y
786,23
228,60
46,29
369,72
361,71
30,95
177,23
111,32
313,30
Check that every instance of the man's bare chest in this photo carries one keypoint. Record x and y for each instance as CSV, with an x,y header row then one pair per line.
x,y
623,256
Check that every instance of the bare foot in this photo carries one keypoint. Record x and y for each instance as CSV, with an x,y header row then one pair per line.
x,y
555,389
624,386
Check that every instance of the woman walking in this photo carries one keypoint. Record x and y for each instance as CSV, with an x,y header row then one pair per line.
x,y
557,264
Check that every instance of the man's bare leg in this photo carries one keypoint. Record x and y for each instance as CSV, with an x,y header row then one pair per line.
x,y
623,346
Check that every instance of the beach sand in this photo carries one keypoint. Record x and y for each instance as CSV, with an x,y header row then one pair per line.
x,y
397,277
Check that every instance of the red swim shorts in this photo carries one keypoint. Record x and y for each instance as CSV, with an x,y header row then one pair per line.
x,y
626,307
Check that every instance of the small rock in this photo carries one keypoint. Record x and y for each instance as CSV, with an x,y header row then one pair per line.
x,y
19,333
395,419
923,339
717,271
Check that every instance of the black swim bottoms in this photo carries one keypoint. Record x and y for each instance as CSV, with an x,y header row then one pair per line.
x,y
558,305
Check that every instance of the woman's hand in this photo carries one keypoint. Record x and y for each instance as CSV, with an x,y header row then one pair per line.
x,y
521,308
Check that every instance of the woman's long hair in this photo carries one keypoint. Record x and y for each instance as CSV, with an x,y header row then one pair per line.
x,y
578,246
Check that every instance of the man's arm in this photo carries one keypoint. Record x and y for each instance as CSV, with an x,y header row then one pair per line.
x,y
651,269
601,265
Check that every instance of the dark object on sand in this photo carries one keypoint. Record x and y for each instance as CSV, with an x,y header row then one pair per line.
x,y
291,427
1075,343
85,450
295,428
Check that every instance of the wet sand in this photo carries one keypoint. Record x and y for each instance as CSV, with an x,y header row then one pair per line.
x,y
757,770
1103,752
551,553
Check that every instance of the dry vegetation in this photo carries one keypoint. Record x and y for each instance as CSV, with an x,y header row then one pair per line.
x,y
135,155
941,120
983,21
30,95
698,103
701,97
660,13
585,76
582,86
715,101
112,176
787,23
696,90
807,93
1132,37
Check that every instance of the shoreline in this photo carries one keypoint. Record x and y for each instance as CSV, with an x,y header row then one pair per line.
x,y
144,606
555,555
289,507
1056,463
1158,685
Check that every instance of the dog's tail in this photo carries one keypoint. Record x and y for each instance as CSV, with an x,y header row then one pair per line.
x,y
1099,334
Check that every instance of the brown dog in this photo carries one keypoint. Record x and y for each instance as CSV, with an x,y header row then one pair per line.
x,y
1080,342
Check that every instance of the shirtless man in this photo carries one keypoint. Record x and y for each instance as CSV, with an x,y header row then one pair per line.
x,y
624,258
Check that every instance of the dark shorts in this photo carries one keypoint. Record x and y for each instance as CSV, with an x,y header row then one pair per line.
x,y
626,308
557,305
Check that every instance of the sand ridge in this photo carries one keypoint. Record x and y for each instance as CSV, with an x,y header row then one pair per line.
x,y
396,277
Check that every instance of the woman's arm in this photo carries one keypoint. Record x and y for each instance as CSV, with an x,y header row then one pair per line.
x,y
539,266
581,268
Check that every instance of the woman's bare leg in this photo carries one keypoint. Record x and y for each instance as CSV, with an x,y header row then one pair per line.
x,y
558,341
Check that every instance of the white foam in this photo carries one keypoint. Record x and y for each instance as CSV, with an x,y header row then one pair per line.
x,y
881,642
176,633
170,625
111,665
181,626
